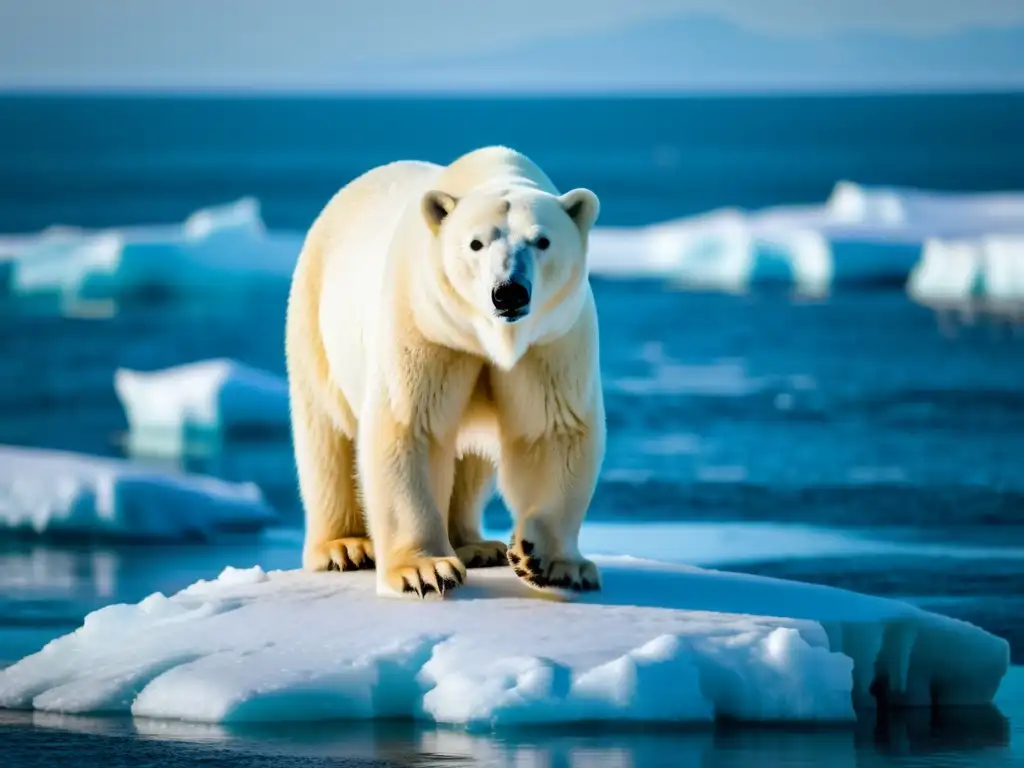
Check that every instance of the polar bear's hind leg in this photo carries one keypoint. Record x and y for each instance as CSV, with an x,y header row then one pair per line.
x,y
474,482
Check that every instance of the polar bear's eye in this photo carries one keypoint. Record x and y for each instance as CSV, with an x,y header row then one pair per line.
x,y
543,243
476,245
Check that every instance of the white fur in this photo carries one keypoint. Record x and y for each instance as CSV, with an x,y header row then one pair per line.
x,y
406,387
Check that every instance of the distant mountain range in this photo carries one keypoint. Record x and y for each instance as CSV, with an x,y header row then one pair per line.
x,y
708,54
330,45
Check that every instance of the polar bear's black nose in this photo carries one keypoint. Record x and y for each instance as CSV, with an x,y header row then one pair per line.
x,y
510,297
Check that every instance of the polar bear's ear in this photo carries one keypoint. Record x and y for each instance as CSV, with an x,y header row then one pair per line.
x,y
436,207
582,206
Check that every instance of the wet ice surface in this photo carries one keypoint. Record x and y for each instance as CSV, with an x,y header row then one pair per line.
x,y
992,736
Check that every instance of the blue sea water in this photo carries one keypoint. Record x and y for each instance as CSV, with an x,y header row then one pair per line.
x,y
863,415
109,160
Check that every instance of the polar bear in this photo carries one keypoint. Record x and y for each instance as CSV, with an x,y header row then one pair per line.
x,y
441,331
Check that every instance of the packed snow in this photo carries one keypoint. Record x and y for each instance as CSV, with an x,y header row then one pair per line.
x,y
58,493
659,643
860,234
203,401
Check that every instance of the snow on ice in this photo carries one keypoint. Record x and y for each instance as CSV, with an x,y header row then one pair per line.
x,y
660,643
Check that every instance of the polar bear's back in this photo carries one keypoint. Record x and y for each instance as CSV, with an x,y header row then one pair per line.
x,y
362,217
492,168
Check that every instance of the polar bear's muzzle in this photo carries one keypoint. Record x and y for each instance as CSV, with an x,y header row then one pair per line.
x,y
511,299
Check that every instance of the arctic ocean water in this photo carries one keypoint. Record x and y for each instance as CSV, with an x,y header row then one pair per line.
x,y
859,417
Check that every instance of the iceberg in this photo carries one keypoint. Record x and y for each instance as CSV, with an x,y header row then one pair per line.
x,y
722,250
204,401
859,235
214,417
659,644
226,244
66,494
959,273
911,212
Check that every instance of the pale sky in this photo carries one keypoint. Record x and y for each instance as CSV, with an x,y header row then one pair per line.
x,y
389,44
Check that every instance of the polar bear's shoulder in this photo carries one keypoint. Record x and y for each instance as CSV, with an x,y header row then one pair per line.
x,y
368,207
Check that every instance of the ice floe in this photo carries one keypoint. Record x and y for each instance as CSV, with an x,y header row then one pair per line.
x,y
214,247
660,643
201,402
859,235
90,497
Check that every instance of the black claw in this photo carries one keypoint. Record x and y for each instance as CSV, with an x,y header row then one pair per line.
x,y
513,557
521,572
589,586
428,587
527,547
332,566
476,562
406,586
447,583
532,564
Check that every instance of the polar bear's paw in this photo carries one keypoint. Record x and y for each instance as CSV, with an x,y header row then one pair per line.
x,y
483,554
349,554
424,575
542,572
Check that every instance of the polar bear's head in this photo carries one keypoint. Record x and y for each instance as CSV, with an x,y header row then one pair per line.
x,y
516,256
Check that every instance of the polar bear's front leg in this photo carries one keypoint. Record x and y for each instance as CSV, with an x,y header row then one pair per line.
x,y
549,483
406,477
